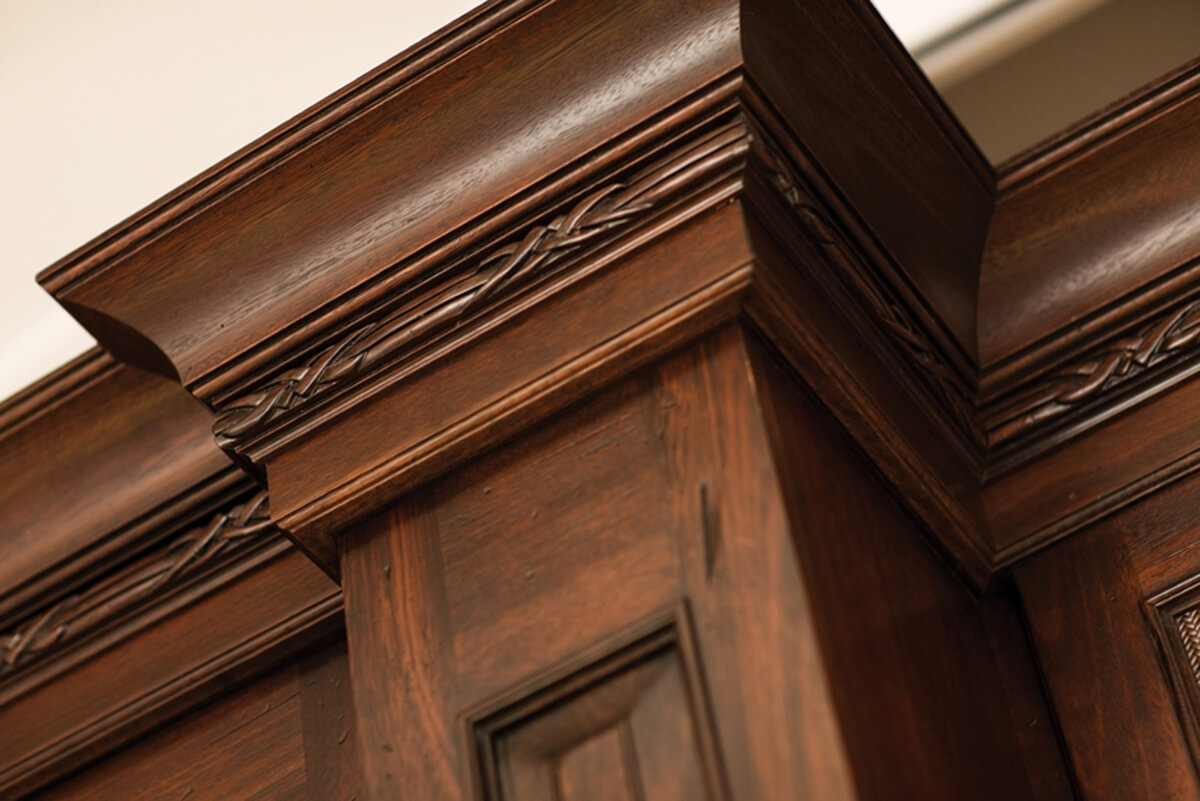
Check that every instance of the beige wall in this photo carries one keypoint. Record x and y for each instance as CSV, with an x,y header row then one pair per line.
x,y
108,104
1062,77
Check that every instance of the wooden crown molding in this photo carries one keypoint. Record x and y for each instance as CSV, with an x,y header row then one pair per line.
x,y
1158,353
336,294
497,274
125,525
98,457
320,325
182,650
1093,232
359,318
149,579
350,236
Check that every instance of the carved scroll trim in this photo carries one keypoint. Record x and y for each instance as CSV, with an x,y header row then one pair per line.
x,y
603,211
1104,370
185,555
910,339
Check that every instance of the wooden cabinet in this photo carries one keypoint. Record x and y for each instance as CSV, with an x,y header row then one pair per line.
x,y
642,400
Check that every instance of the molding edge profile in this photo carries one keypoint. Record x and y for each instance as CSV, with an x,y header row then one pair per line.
x,y
362,318
356,318
130,528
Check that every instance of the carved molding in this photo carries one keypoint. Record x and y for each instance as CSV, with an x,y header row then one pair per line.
x,y
1189,633
225,535
600,213
1097,376
1092,381
913,343
1175,617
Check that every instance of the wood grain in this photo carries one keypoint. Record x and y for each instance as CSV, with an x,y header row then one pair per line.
x,y
228,535
213,640
248,745
1107,219
96,460
1101,665
366,196
689,411
595,328
916,725
595,519
397,631
880,132
330,726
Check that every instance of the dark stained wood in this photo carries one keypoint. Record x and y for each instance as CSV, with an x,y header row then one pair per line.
x,y
640,511
331,758
622,728
1082,481
1033,720
685,409
879,132
1100,659
646,519
411,272
199,644
52,634
1090,220
801,304
554,138
405,738
248,746
96,459
503,115
1164,548
1163,532
648,299
348,170
917,724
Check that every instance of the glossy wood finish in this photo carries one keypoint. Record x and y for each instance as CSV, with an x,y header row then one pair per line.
x,y
879,129
661,382
613,545
247,746
373,184
251,744
538,154
651,526
330,725
161,670
548,145
890,610
541,198
360,164
1117,714
138,453
139,577
1102,606
1090,219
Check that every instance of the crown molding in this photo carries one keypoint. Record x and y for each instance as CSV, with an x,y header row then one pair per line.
x,y
465,290
98,457
356,318
339,298
149,580
161,663
1092,231
125,525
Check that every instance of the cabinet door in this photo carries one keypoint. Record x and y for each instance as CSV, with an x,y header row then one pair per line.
x,y
688,587
610,608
